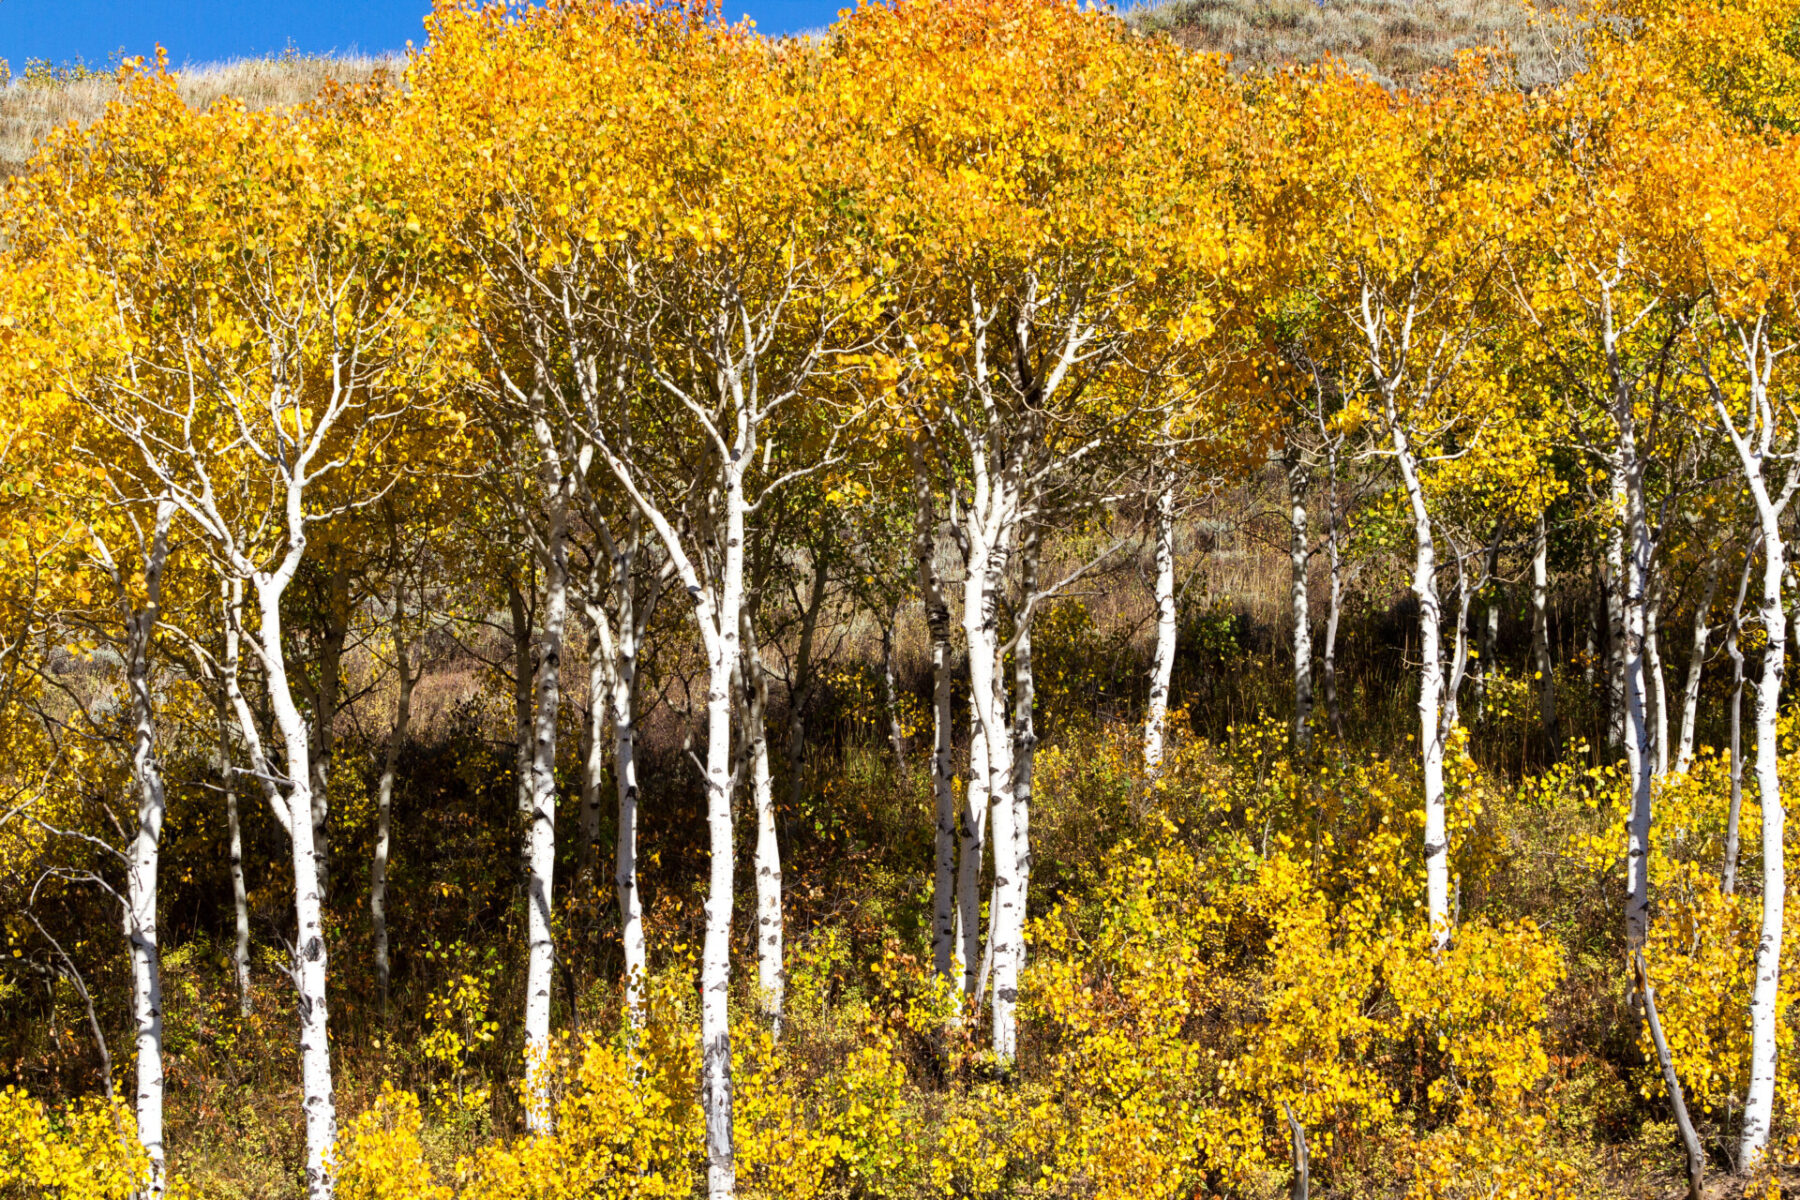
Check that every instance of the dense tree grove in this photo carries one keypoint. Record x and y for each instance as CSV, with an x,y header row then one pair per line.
x,y
974,606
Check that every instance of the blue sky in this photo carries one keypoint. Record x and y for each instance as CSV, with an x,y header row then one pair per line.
x,y
210,30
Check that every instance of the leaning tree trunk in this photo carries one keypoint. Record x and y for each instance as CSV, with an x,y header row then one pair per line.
x,y
384,809
1162,664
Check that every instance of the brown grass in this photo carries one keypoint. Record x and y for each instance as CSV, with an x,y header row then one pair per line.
x,y
1396,41
30,109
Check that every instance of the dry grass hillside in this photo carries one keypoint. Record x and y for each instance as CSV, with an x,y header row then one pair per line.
x,y
44,98
1396,41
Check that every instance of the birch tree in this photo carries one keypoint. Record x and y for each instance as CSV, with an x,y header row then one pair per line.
x,y
267,380
1025,315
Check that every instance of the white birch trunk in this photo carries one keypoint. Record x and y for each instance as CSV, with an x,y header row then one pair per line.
x,y
1540,633
1690,689
384,806
1755,449
325,694
981,625
770,976
1024,738
540,835
972,849
1658,692
625,857
1617,636
1299,558
715,962
1432,730
890,692
595,734
240,907
614,665
1162,663
309,970
1765,1012
946,955
1734,650
1333,613
1640,760
144,859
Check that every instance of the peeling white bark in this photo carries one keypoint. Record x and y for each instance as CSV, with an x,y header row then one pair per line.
x,y
1162,663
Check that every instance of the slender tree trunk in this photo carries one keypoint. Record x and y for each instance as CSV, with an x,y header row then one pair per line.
x,y
1299,559
1333,613
981,627
1734,650
1024,735
1596,624
522,675
144,857
1690,690
1639,757
595,734
625,879
384,806
973,847
715,962
326,695
800,686
890,693
770,976
944,952
240,907
1658,693
1765,1006
1540,634
1490,627
1431,691
540,837
310,960
1617,634
1162,664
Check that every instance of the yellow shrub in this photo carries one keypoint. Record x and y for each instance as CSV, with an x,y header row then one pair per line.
x,y
379,1156
779,1154
88,1151
1491,1157
629,1127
